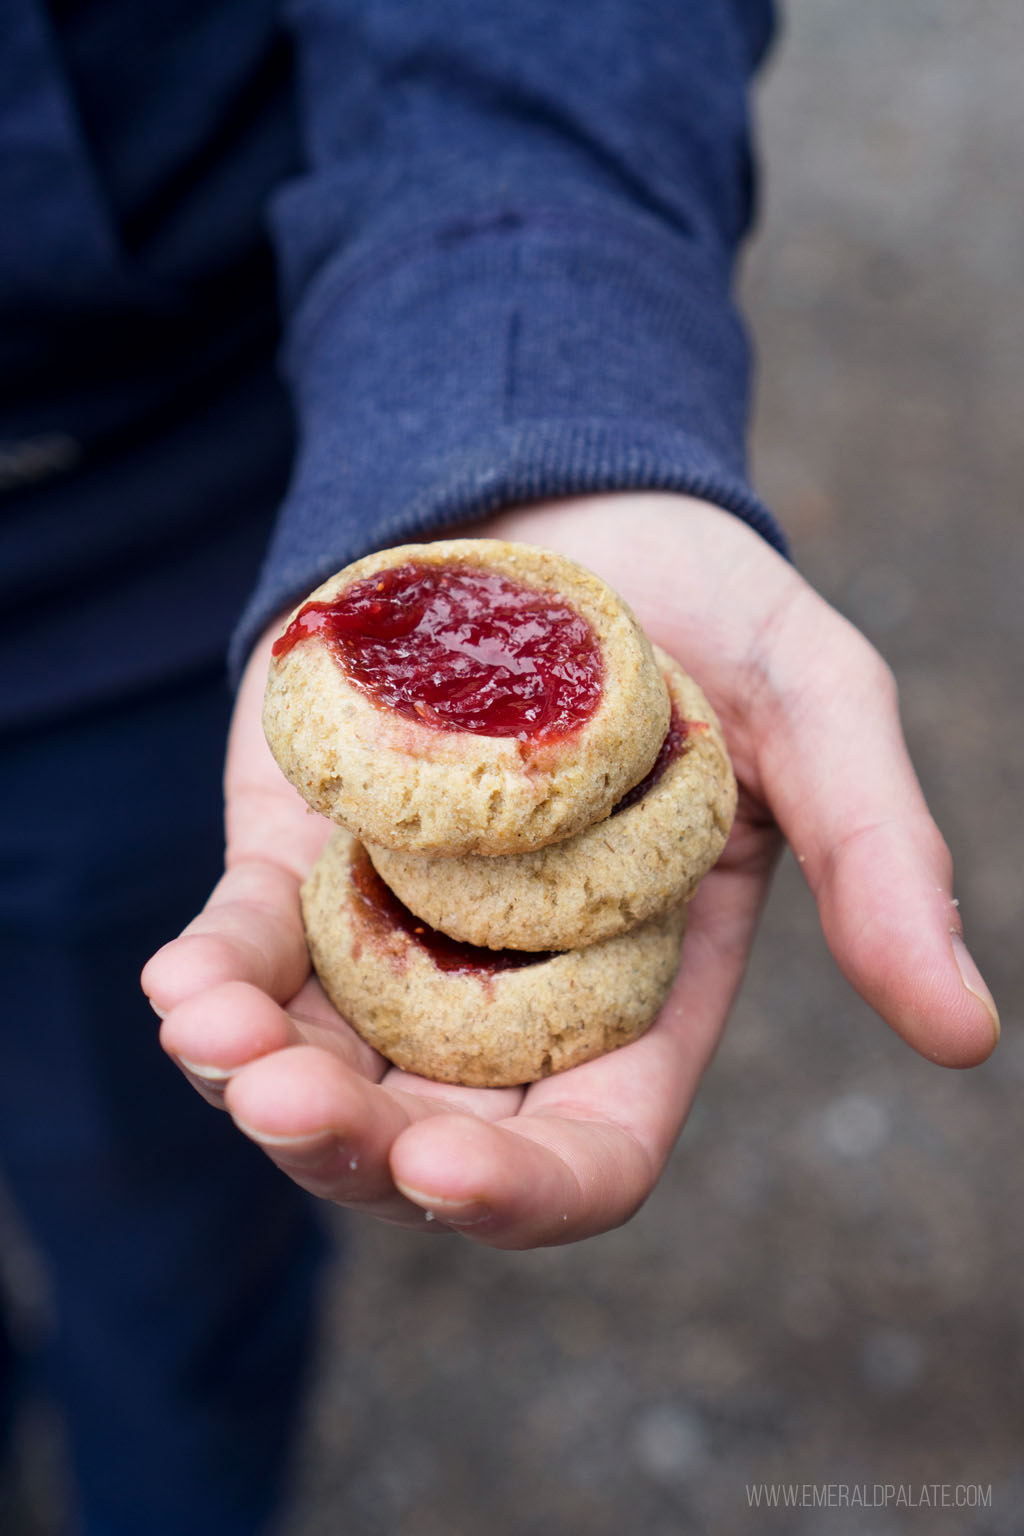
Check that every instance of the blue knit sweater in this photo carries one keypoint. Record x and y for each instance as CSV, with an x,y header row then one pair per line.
x,y
505,237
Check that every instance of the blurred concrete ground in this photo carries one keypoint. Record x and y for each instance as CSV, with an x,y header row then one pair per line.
x,y
826,1285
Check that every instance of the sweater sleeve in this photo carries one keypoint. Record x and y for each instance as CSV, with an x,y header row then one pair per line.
x,y
507,267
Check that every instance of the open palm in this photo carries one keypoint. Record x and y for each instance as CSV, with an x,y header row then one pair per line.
x,y
809,713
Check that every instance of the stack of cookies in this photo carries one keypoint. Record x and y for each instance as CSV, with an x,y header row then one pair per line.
x,y
527,793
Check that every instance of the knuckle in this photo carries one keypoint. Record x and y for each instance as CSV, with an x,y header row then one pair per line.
x,y
941,854
875,674
884,679
871,661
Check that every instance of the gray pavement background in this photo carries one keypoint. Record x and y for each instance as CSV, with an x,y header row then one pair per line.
x,y
826,1285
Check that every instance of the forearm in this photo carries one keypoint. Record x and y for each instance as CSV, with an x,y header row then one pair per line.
x,y
507,271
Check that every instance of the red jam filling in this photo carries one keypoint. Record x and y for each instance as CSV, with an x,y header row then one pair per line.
x,y
385,912
672,747
460,648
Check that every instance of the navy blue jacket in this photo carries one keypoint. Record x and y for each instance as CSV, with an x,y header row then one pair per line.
x,y
505,236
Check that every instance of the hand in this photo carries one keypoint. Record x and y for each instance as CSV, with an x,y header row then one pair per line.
x,y
809,712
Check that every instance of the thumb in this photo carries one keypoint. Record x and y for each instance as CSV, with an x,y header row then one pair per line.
x,y
837,774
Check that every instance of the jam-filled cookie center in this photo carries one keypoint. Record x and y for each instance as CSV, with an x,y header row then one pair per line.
x,y
461,648
382,909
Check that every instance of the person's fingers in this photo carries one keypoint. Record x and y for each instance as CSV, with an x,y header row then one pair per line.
x,y
250,930
581,1154
214,1034
588,1144
329,1129
836,772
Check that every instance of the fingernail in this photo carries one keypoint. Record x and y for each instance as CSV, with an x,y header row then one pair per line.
x,y
294,1143
454,1213
972,980
210,1076
321,1153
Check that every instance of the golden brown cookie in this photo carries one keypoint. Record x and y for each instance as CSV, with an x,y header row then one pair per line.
x,y
468,696
648,855
478,1017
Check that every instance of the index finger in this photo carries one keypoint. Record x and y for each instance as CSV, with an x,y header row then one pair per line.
x,y
250,930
